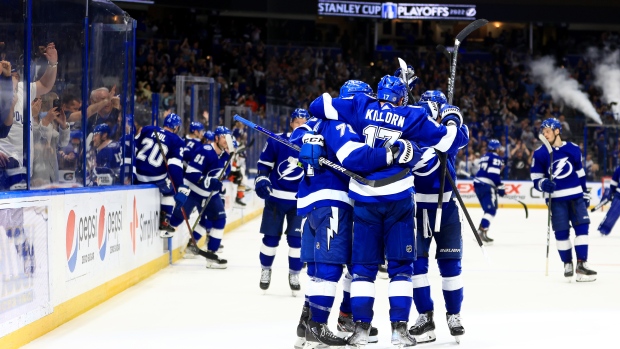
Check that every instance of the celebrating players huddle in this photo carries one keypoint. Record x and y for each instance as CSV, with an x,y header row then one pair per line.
x,y
339,225
352,227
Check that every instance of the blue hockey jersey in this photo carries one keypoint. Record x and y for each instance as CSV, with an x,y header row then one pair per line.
x,y
490,168
567,171
381,126
614,181
191,144
205,164
149,165
427,171
280,162
327,188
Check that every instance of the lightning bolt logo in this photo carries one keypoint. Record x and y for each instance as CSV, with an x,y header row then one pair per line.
x,y
333,226
289,165
427,156
563,168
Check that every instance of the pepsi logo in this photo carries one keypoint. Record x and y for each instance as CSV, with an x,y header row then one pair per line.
x,y
72,242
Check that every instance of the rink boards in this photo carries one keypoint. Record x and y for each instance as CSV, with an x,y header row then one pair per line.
x,y
62,252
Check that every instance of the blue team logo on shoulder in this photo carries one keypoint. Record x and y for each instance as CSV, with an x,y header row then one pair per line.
x,y
289,171
563,168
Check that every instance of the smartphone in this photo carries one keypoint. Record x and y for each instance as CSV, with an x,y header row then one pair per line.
x,y
56,104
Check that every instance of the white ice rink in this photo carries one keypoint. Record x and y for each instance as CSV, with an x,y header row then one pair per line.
x,y
509,303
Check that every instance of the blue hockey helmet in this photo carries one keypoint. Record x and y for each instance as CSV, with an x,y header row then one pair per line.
x,y
76,134
551,123
210,136
196,126
102,128
391,89
221,130
493,144
434,96
172,121
352,87
300,113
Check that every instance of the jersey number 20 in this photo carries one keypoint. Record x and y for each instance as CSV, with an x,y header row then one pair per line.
x,y
155,158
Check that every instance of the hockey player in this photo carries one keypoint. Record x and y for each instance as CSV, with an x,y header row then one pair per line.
x,y
277,182
201,183
237,172
565,181
149,166
328,218
209,137
194,139
488,185
449,243
614,210
383,217
105,157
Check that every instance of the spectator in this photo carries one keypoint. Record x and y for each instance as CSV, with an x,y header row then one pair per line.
x,y
7,100
520,162
12,170
50,131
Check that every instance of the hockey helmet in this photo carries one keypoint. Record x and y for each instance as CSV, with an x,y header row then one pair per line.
x,y
102,128
196,126
493,145
391,89
352,87
434,96
172,121
221,130
209,136
551,123
300,113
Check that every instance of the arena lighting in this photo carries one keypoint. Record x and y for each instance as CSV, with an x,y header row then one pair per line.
x,y
497,24
393,10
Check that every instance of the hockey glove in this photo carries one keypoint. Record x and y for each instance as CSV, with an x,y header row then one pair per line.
x,y
181,196
411,79
609,195
587,198
213,184
262,186
312,149
451,115
501,190
405,152
432,108
547,186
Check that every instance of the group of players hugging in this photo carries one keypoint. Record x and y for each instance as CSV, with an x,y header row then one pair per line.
x,y
336,225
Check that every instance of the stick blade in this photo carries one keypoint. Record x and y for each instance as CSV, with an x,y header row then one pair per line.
x,y
545,142
479,23
403,69
389,180
444,50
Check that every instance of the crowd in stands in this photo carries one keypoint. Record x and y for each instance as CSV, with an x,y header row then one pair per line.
x,y
496,95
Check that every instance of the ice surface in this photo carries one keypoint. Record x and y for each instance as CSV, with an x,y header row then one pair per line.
x,y
509,303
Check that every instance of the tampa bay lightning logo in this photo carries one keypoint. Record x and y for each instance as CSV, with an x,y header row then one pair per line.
x,y
289,171
562,168
215,173
421,168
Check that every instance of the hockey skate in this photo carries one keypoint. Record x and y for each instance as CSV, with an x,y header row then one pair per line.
x,y
167,230
293,282
424,328
568,270
484,237
360,335
454,324
191,250
221,249
584,274
214,262
301,328
319,335
239,201
400,336
265,279
346,326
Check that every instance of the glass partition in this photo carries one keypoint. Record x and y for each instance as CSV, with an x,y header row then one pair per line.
x,y
13,170
78,58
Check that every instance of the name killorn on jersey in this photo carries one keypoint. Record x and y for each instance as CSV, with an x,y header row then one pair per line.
x,y
386,117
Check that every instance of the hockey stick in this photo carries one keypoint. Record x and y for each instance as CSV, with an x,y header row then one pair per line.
x,y
369,182
443,158
403,71
600,204
466,213
219,178
550,150
522,204
161,149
